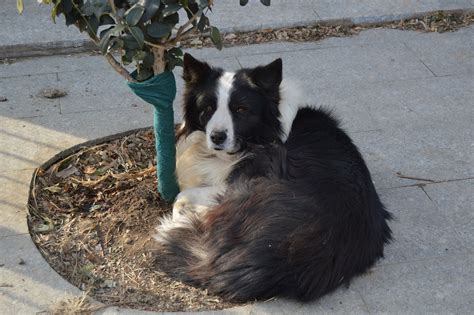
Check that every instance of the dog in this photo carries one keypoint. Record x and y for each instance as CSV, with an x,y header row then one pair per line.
x,y
275,200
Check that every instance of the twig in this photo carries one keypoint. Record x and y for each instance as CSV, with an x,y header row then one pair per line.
x,y
400,175
112,6
155,45
185,25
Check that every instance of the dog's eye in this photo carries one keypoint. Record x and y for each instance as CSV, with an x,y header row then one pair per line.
x,y
241,109
208,109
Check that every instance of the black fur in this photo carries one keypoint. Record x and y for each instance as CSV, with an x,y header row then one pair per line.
x,y
298,220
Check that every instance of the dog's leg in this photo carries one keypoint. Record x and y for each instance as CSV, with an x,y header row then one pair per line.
x,y
198,200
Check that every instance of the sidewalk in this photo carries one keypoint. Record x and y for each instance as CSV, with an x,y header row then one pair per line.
x,y
25,36
406,98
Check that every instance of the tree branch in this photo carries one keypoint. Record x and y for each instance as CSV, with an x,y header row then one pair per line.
x,y
118,67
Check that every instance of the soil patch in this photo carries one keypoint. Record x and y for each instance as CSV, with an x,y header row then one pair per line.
x,y
92,214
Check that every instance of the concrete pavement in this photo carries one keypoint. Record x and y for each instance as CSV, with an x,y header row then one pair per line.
x,y
26,36
406,98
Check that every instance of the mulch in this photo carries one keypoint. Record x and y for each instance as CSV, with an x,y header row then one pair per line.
x,y
438,22
92,215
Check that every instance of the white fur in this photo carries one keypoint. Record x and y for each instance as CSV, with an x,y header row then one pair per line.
x,y
291,101
221,120
198,200
199,166
201,174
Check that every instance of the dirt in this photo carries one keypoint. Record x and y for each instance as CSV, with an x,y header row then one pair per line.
x,y
52,93
92,216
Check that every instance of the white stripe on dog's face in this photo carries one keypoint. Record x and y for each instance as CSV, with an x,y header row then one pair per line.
x,y
221,122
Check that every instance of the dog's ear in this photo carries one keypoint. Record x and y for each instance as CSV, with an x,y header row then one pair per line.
x,y
193,69
268,77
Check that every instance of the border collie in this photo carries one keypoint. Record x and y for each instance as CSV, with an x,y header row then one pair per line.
x,y
275,198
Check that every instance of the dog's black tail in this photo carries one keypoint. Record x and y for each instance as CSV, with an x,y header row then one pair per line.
x,y
262,241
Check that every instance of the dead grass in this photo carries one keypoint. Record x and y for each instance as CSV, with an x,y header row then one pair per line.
x,y
92,215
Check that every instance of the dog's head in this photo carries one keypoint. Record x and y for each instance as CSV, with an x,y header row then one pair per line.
x,y
234,109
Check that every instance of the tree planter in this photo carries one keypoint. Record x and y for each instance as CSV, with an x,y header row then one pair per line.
x,y
93,220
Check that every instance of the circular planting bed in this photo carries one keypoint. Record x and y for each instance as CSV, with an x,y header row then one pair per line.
x,y
92,212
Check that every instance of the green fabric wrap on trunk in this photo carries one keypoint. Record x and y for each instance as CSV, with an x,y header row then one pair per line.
x,y
160,91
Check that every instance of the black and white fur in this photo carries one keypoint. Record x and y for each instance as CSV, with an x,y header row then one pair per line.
x,y
275,198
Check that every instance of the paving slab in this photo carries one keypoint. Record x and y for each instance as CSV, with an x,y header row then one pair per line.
x,y
420,230
33,26
29,285
342,65
23,96
15,185
370,11
230,16
397,104
53,65
435,286
446,55
341,301
455,200
28,143
436,151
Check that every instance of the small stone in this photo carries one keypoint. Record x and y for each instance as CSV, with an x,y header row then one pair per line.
x,y
21,262
3,98
230,36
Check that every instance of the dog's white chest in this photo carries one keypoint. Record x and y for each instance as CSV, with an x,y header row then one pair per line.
x,y
198,166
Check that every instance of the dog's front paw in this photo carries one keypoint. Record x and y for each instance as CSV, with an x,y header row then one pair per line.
x,y
182,205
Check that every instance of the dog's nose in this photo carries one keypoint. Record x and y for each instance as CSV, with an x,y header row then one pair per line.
x,y
218,137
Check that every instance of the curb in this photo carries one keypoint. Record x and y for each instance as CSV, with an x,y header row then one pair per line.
x,y
85,45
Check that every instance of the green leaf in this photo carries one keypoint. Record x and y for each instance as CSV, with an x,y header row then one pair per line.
x,y
184,3
158,30
172,19
19,6
203,4
244,2
106,19
170,9
129,42
216,37
54,12
176,51
265,2
148,60
138,35
105,39
151,8
134,14
143,72
139,55
203,23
